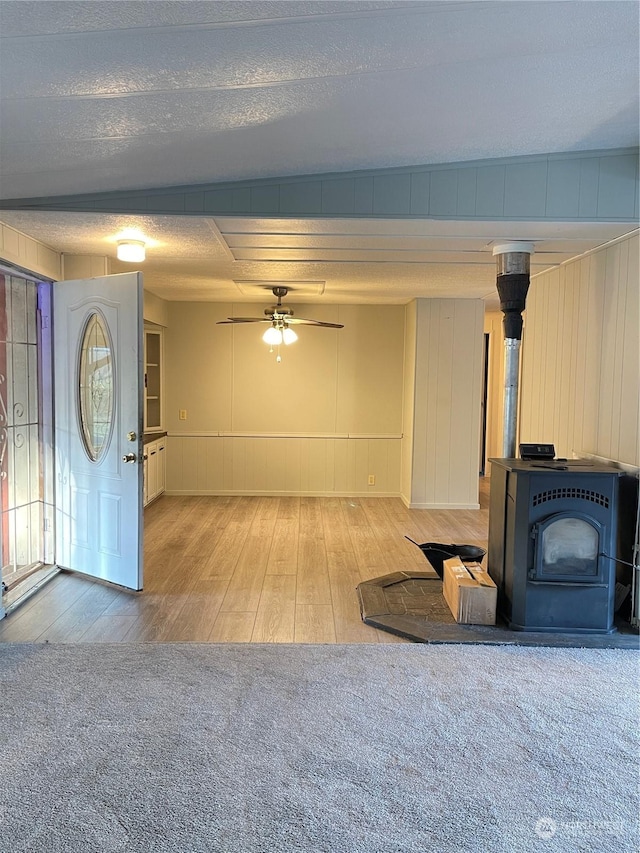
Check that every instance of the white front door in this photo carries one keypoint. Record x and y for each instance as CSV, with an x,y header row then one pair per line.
x,y
98,393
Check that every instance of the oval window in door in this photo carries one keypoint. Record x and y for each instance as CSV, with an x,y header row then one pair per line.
x,y
95,387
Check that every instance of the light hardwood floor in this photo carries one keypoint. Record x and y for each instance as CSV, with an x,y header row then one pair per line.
x,y
248,570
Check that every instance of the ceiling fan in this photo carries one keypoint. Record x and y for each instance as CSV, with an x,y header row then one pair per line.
x,y
280,317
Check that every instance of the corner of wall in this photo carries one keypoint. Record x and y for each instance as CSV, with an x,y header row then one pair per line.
x,y
28,254
156,309
448,368
84,266
408,400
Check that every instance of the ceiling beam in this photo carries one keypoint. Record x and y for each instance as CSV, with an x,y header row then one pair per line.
x,y
594,186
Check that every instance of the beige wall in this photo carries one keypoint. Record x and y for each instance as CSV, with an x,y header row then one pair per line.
x,y
84,266
410,330
156,310
30,254
580,356
321,421
446,422
495,385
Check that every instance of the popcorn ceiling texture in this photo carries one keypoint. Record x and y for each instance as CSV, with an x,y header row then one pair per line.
x,y
361,261
124,95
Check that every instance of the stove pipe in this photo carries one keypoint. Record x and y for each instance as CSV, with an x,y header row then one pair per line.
x,y
512,281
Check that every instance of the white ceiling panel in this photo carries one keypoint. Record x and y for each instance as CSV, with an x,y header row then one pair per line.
x,y
448,228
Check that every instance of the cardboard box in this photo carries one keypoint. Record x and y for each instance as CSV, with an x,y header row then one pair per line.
x,y
470,592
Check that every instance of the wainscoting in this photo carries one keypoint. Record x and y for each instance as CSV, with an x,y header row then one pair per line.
x,y
219,464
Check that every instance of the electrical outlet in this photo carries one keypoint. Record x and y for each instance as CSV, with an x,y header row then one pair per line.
x,y
183,414
372,479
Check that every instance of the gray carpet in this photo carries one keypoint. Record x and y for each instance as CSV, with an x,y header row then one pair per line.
x,y
322,749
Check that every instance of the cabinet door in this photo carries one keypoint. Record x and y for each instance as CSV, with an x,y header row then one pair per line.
x,y
152,380
145,457
153,469
162,466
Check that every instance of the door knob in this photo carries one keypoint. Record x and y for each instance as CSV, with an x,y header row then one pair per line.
x,y
129,457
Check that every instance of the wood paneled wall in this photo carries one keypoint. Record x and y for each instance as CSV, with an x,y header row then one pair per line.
x,y
84,266
580,355
410,332
495,384
156,310
320,422
581,185
446,420
253,465
395,394
30,254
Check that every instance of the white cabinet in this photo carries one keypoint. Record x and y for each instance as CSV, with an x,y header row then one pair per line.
x,y
154,469
162,466
153,387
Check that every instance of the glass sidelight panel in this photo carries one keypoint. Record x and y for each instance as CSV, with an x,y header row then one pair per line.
x,y
95,387
23,468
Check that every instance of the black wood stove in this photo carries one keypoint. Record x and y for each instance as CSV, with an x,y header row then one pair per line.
x,y
552,534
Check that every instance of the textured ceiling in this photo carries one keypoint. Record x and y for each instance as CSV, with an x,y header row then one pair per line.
x,y
100,96
331,260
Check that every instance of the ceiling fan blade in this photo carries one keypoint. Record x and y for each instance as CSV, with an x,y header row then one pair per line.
x,y
242,320
302,322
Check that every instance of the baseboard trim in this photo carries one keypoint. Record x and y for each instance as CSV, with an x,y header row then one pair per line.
x,y
302,494
442,506
276,494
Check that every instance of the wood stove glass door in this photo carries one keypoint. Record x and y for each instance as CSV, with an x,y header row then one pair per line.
x,y
567,549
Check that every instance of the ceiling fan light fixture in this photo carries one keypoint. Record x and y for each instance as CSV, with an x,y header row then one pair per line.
x,y
131,251
273,336
289,336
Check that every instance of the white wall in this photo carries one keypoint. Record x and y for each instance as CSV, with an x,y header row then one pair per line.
x,y
446,421
580,356
320,422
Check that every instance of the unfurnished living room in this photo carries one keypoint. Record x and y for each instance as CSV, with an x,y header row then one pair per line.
x,y
319,426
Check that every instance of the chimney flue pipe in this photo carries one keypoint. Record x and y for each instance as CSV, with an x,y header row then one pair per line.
x,y
512,281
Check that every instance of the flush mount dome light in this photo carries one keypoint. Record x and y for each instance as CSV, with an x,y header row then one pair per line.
x,y
131,251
